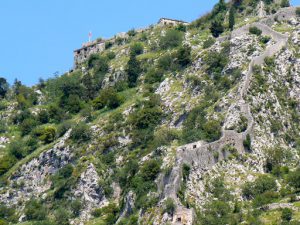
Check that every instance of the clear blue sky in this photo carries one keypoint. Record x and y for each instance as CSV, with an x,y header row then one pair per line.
x,y
38,36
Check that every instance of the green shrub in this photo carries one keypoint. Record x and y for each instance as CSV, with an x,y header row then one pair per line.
x,y
35,210
287,214
4,87
285,3
64,127
43,116
172,39
217,212
150,170
215,62
81,133
169,206
255,30
111,212
270,61
247,143
56,113
298,11
108,44
183,56
17,149
99,63
136,48
165,61
6,162
261,185
46,134
209,42
7,215
131,33
198,127
153,76
265,198
111,55
108,97
293,178
62,216
276,157
27,126
265,39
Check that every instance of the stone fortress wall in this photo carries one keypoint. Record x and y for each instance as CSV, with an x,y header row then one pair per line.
x,y
97,46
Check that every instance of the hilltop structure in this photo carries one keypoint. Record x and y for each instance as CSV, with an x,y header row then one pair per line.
x,y
87,49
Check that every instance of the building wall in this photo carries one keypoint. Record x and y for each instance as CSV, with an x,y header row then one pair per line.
x,y
81,55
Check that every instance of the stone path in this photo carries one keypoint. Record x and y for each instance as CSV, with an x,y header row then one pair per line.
x,y
202,156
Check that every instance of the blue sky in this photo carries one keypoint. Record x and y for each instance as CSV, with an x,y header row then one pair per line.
x,y
38,37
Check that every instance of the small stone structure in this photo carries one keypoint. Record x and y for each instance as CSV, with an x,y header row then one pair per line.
x,y
171,22
82,54
183,216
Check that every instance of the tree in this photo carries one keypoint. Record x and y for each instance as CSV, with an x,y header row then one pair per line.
x,y
217,27
219,8
183,56
3,87
285,3
287,214
231,18
133,70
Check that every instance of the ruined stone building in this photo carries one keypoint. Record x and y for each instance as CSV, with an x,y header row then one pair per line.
x,y
82,54
171,22
87,49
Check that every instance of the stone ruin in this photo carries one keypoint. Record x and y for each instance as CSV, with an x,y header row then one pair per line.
x,y
98,46
171,22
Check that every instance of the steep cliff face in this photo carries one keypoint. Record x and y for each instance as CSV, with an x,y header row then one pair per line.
x,y
168,125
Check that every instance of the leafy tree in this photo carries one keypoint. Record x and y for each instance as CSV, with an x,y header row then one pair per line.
x,y
183,56
255,30
231,18
287,214
108,97
43,116
150,170
261,185
216,27
285,3
220,7
4,86
133,70
298,11
136,48
172,39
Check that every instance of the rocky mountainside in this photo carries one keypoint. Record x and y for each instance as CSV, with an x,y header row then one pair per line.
x,y
174,124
